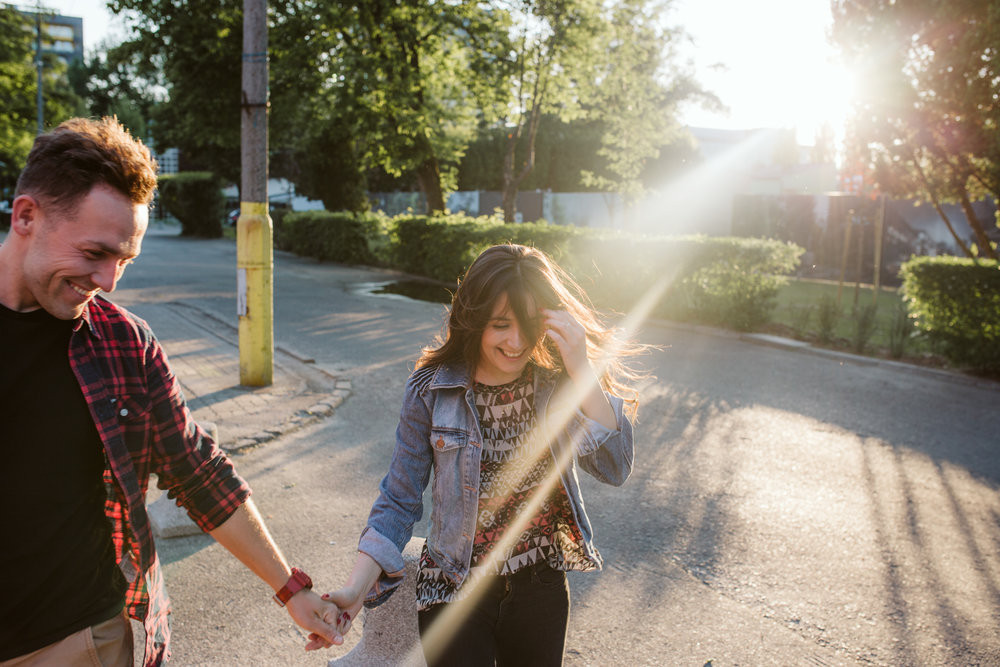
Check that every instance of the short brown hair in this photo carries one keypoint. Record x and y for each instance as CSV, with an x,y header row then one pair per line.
x,y
65,164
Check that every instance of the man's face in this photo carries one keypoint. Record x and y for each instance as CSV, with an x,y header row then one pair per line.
x,y
71,257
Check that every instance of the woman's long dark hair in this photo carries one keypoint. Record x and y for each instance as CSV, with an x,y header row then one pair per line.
x,y
528,276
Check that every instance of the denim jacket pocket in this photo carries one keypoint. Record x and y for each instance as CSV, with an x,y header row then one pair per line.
x,y
448,511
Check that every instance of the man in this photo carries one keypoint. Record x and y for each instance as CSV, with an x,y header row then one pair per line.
x,y
89,409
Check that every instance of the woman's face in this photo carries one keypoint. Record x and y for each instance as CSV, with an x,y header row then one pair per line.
x,y
504,349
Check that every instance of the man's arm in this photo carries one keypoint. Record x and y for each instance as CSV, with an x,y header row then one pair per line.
x,y
245,536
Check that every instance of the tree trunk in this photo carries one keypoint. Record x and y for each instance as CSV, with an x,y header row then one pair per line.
x,y
429,177
510,182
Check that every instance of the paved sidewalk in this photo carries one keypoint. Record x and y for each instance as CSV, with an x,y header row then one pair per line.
x,y
203,352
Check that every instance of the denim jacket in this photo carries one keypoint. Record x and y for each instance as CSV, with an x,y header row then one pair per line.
x,y
439,429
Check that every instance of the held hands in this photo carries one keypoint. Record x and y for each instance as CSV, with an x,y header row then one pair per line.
x,y
345,599
349,598
319,616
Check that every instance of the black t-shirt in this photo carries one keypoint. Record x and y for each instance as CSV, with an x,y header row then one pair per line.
x,y
57,563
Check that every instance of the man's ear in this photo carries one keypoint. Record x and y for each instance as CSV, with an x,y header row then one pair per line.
x,y
24,215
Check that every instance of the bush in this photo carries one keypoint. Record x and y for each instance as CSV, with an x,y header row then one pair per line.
x,y
828,314
900,331
195,199
864,327
337,237
732,282
956,304
724,281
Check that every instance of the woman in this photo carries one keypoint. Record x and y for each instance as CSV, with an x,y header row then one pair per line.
x,y
527,385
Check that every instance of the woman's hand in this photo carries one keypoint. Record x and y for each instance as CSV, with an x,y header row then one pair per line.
x,y
349,599
348,603
570,339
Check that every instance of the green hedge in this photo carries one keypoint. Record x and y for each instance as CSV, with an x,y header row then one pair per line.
x,y
724,281
956,304
337,237
195,199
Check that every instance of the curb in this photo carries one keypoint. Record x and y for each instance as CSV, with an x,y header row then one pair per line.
x,y
792,345
332,391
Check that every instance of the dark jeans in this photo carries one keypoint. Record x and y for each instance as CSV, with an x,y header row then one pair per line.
x,y
512,621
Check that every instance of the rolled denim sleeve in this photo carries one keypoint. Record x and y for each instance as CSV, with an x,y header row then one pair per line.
x,y
605,454
400,501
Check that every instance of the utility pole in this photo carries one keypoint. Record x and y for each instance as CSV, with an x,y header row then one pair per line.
x,y
254,255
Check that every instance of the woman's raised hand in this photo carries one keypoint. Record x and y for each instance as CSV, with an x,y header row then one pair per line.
x,y
570,339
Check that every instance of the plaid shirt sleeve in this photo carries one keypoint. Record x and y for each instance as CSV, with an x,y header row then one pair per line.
x,y
146,427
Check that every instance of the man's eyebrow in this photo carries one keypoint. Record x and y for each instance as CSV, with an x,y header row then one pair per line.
x,y
107,249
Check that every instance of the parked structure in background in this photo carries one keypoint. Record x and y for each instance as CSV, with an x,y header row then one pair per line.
x,y
280,194
61,35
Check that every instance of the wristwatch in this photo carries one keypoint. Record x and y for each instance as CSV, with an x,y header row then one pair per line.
x,y
296,583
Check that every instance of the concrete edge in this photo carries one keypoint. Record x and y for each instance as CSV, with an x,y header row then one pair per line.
x,y
792,345
330,389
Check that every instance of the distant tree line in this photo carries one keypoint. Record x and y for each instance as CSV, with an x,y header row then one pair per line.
x,y
386,94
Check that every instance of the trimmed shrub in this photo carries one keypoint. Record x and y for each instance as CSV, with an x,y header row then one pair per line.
x,y
956,305
733,281
724,281
323,235
195,199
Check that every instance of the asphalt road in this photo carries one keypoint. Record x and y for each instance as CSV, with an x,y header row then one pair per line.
x,y
785,509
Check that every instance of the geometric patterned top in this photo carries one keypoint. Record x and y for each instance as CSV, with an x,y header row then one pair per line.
x,y
517,475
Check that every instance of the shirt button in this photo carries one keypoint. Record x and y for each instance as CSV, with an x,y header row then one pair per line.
x,y
123,412
440,443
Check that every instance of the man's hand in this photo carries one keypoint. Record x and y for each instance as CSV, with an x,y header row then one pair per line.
x,y
345,599
320,617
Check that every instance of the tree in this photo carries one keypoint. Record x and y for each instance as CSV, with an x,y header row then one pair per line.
x,y
562,150
927,118
18,89
634,98
553,46
197,48
118,80
413,78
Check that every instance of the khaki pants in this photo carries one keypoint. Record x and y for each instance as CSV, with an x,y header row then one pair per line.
x,y
107,644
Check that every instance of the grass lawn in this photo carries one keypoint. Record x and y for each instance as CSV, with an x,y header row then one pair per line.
x,y
797,314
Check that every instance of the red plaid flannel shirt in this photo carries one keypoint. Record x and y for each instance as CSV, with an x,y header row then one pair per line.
x,y
140,413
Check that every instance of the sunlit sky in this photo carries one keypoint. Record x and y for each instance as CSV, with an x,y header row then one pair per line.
x,y
769,61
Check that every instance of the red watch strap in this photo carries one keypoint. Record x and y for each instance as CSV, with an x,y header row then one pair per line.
x,y
296,583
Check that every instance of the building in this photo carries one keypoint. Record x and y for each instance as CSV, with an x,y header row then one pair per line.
x,y
61,35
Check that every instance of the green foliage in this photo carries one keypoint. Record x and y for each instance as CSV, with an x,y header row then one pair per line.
x,y
900,331
197,47
926,116
119,81
956,304
562,150
327,236
864,327
195,199
725,281
638,85
733,281
828,314
18,92
411,81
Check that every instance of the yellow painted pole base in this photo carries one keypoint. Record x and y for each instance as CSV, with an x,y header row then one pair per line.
x,y
254,294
